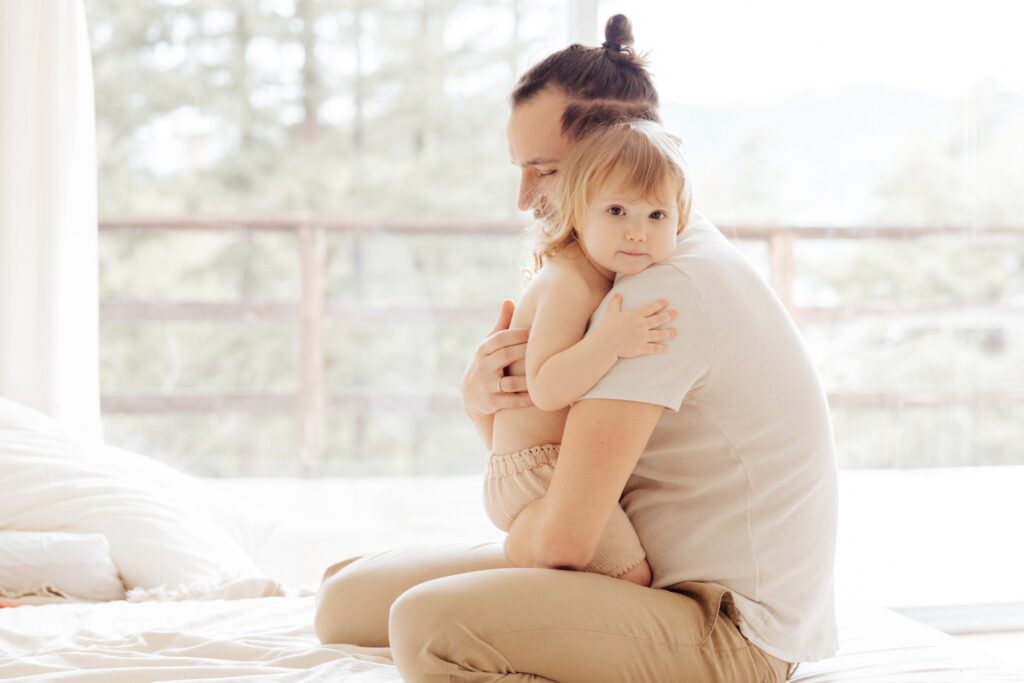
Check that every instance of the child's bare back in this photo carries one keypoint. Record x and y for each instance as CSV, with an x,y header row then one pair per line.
x,y
519,428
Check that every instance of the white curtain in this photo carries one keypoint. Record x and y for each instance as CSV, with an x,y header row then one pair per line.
x,y
49,324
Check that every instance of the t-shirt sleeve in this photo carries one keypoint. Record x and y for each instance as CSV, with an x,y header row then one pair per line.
x,y
661,378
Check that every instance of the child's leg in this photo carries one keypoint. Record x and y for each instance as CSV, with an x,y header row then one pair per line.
x,y
619,552
641,574
514,480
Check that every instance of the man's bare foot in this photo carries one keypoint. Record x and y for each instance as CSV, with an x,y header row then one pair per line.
x,y
640,574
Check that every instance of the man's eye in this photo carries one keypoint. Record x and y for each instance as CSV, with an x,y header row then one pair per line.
x,y
616,210
547,173
658,215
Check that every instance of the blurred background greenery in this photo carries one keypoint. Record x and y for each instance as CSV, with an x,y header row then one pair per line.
x,y
387,110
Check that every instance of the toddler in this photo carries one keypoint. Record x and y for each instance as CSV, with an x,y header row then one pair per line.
x,y
623,198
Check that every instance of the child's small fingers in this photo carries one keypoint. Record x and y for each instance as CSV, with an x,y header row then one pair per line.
x,y
655,348
513,384
661,318
658,335
655,306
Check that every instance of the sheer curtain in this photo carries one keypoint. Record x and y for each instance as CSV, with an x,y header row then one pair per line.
x,y
48,234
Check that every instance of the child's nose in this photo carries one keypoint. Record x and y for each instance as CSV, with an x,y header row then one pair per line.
x,y
635,232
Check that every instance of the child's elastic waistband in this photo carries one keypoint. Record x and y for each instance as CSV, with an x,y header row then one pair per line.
x,y
528,458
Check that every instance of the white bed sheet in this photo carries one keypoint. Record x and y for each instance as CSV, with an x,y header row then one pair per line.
x,y
263,639
882,646
272,639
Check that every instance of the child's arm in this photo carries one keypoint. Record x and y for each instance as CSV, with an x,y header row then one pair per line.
x,y
561,363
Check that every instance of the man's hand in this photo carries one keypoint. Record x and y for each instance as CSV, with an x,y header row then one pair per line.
x,y
503,346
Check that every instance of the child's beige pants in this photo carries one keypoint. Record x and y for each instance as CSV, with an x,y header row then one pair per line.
x,y
463,614
514,480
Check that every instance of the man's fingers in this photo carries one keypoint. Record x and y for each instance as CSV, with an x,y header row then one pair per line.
x,y
505,355
496,340
504,316
520,400
513,384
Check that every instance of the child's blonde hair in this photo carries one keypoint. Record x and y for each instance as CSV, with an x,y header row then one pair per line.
x,y
642,151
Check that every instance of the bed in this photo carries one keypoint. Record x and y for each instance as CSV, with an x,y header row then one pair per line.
x,y
220,590
271,639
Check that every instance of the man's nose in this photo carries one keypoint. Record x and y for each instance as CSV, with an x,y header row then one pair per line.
x,y
527,193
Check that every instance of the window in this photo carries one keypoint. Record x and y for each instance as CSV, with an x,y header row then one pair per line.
x,y
351,156
221,131
878,149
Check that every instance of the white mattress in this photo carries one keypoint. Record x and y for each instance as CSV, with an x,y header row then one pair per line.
x,y
271,639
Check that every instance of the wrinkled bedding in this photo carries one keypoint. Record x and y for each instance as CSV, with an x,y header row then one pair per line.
x,y
272,639
262,639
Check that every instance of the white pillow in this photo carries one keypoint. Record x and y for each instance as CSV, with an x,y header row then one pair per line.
x,y
165,529
74,566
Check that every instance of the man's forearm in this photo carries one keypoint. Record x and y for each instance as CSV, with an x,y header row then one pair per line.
x,y
484,424
526,544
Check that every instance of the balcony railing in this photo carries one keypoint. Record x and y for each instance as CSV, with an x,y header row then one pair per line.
x,y
311,311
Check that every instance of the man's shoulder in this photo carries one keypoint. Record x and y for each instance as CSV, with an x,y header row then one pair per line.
x,y
668,273
703,256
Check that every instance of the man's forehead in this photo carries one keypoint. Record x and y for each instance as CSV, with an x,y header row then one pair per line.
x,y
535,132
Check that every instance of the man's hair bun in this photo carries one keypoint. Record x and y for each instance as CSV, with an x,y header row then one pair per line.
x,y
618,35
580,72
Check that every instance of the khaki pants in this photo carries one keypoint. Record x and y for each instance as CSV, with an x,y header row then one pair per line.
x,y
457,613
514,480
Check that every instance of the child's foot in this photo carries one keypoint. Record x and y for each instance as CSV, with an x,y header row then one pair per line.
x,y
640,575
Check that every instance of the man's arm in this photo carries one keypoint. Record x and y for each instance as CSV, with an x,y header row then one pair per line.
x,y
601,445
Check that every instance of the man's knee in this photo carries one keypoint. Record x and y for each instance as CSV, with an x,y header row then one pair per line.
x,y
344,611
416,623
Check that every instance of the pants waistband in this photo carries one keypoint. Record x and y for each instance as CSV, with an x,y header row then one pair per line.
x,y
528,458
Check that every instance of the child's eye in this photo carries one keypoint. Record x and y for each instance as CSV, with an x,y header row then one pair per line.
x,y
658,215
616,210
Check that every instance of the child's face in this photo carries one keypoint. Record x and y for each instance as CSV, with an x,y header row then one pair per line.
x,y
623,233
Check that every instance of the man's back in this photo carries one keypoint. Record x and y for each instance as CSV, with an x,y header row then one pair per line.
x,y
737,484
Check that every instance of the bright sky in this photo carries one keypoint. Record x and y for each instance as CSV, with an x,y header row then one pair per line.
x,y
721,51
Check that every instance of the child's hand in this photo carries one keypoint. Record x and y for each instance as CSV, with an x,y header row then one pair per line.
x,y
633,333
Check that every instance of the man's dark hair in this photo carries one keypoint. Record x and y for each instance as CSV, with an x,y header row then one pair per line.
x,y
604,84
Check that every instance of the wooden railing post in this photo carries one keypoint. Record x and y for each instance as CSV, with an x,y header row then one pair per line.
x,y
312,389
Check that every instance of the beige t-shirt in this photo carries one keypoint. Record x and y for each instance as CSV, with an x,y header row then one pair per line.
x,y
737,485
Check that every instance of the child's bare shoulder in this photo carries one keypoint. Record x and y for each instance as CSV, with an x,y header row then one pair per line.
x,y
571,264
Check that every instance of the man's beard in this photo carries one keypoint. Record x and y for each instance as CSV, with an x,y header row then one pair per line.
x,y
542,213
